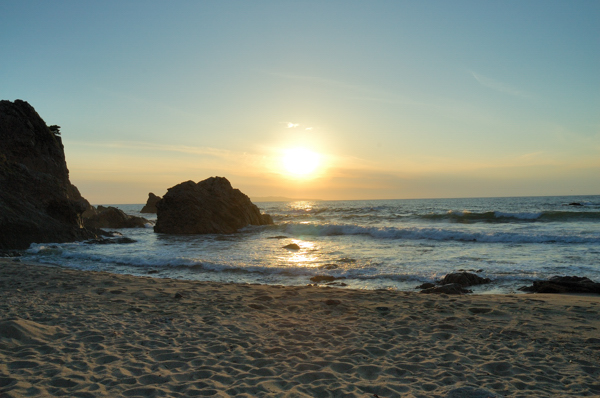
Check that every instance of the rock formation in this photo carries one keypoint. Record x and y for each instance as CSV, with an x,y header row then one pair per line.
x,y
454,283
464,279
38,203
211,206
111,217
150,206
564,284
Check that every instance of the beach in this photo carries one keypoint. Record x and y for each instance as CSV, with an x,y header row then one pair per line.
x,y
66,332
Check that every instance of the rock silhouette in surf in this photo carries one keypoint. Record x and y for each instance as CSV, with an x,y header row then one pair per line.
x,y
210,206
150,206
564,284
111,217
454,283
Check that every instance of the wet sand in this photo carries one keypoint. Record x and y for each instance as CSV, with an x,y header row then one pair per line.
x,y
89,334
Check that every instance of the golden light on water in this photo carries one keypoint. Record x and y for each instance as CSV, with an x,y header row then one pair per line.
x,y
307,256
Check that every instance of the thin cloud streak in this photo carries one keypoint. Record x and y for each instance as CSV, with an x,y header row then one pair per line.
x,y
160,147
499,86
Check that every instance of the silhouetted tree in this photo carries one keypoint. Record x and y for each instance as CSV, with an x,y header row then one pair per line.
x,y
55,129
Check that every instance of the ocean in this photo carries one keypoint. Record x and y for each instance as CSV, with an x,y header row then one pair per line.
x,y
371,244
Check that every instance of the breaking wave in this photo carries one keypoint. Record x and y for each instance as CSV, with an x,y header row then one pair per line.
x,y
436,234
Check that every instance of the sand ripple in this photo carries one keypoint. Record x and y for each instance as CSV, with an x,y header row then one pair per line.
x,y
109,335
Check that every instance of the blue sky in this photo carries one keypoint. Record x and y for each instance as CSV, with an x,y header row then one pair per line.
x,y
400,99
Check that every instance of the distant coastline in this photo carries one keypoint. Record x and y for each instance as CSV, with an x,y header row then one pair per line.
x,y
281,199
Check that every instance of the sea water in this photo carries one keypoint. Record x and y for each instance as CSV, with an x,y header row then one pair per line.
x,y
374,244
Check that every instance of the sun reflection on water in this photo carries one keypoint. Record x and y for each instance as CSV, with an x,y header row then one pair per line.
x,y
307,256
302,205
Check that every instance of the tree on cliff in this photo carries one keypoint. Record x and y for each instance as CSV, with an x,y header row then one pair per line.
x,y
54,129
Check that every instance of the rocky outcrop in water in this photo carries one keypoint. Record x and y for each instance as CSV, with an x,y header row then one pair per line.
x,y
111,217
210,206
150,206
38,203
564,284
464,279
454,283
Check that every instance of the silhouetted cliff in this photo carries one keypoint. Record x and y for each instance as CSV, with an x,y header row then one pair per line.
x,y
38,203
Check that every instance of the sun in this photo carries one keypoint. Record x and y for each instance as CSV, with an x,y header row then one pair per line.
x,y
301,162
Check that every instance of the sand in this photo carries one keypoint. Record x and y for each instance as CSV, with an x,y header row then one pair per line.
x,y
88,334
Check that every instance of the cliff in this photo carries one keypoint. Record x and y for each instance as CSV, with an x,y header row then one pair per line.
x,y
38,203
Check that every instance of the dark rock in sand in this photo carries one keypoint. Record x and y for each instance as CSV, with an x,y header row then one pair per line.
x,y
292,246
150,206
211,206
9,253
323,278
470,392
426,285
452,288
464,279
564,284
454,283
38,203
108,241
340,284
111,217
328,266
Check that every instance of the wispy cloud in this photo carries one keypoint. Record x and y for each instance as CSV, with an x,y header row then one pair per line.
x,y
318,80
499,86
354,91
359,92
216,152
291,125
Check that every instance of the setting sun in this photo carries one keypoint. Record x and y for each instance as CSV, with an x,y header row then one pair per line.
x,y
301,162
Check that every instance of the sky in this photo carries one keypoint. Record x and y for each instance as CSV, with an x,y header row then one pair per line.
x,y
314,99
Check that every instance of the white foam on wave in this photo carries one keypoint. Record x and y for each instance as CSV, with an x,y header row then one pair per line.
x,y
520,216
70,252
437,234
67,254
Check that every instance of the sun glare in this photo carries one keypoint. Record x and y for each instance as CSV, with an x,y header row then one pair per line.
x,y
301,162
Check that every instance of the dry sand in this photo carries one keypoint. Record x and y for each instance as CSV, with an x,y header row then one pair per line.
x,y
87,334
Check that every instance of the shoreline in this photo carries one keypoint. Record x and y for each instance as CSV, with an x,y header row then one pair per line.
x,y
91,334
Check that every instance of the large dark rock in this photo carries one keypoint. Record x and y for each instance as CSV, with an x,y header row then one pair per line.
x,y
38,203
464,279
454,283
323,278
150,206
564,284
111,217
211,206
